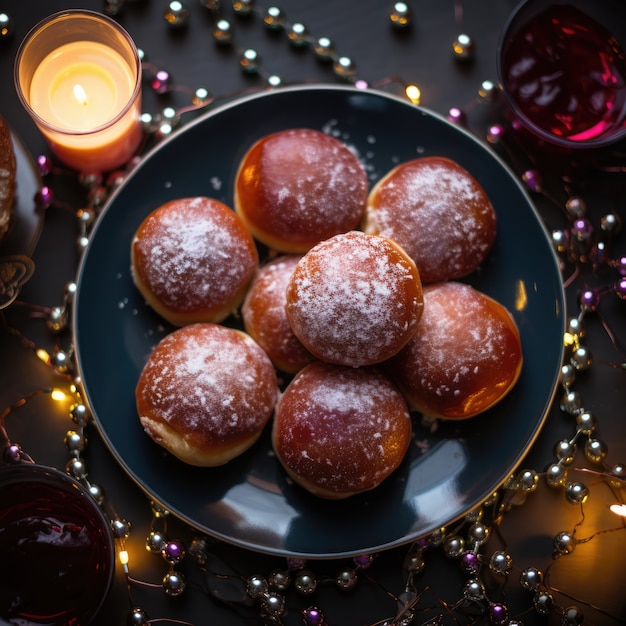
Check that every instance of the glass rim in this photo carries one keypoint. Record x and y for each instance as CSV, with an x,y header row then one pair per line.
x,y
609,137
57,17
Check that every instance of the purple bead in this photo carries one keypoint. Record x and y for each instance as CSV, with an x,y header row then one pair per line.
x,y
173,552
582,229
43,198
161,83
363,561
495,133
620,264
45,164
361,84
498,614
296,564
457,116
620,288
532,180
313,617
590,299
469,563
13,453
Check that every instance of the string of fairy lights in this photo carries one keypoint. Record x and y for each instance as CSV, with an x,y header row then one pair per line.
x,y
581,248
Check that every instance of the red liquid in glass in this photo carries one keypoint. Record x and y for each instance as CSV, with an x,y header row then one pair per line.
x,y
567,74
55,558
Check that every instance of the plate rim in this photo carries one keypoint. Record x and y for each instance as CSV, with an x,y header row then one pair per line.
x,y
237,102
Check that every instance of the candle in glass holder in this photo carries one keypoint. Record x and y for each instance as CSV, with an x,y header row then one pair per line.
x,y
79,76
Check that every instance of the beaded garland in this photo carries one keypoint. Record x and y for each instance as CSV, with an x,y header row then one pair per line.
x,y
581,249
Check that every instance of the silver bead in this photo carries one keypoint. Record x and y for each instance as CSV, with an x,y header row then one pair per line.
x,y
543,602
7,26
560,240
76,468
346,579
176,14
97,493
344,68
223,32
80,414
477,534
564,543
75,441
500,562
531,578
474,589
256,587
576,493
565,451
250,60
568,375
137,617
528,480
243,7
576,207
61,361
581,358
488,91
611,223
463,47
274,604
149,122
595,450
324,48
305,582
556,475
454,547
198,550
279,579
120,528
586,422
575,326
201,97
618,472
400,15
298,35
571,402
274,18
174,583
274,81
572,616
155,541
57,319
414,562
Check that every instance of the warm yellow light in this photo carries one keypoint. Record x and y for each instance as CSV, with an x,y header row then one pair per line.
x,y
521,297
58,395
43,355
123,556
80,94
569,339
618,509
413,93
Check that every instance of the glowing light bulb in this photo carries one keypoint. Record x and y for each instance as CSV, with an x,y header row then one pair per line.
x,y
58,395
618,509
413,93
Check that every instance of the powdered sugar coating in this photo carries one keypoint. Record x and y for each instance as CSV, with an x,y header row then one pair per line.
x,y
212,385
341,430
354,299
297,187
194,255
437,212
265,318
465,356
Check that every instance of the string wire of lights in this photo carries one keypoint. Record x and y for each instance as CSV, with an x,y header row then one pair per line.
x,y
469,541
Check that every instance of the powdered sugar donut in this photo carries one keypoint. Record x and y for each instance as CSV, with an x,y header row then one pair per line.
x,y
206,393
354,299
265,318
466,356
437,212
339,431
297,187
192,259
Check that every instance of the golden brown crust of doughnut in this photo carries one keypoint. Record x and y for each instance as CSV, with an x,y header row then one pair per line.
x,y
265,317
437,212
7,177
206,393
354,299
339,431
465,357
296,187
192,259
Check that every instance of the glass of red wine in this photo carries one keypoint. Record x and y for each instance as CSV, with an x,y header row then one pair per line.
x,y
56,546
562,69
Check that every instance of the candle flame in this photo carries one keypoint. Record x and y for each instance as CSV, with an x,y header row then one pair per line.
x,y
79,94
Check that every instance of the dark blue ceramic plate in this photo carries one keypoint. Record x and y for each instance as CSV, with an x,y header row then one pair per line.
x,y
249,502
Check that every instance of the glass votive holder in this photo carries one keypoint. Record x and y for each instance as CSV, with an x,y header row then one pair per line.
x,y
562,70
57,547
78,74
